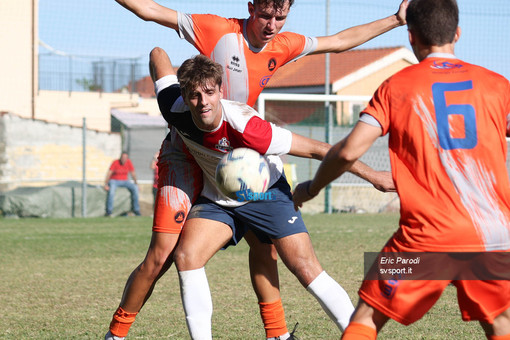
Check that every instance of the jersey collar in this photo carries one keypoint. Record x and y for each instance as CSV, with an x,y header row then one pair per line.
x,y
442,55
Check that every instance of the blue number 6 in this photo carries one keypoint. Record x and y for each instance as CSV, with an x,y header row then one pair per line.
x,y
443,111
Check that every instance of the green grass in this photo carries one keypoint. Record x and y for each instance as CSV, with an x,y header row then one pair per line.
x,y
63,278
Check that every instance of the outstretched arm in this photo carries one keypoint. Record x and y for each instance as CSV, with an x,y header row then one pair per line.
x,y
381,180
338,160
311,148
149,10
357,35
307,147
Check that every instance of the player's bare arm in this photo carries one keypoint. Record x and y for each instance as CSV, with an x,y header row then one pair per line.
x,y
308,148
160,64
381,180
357,35
311,148
149,10
339,159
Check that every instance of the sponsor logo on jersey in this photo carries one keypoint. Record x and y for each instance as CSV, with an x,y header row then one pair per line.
x,y
235,65
263,82
179,216
248,195
445,65
224,145
292,220
271,65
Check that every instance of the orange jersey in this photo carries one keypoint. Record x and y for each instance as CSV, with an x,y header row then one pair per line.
x,y
247,69
448,151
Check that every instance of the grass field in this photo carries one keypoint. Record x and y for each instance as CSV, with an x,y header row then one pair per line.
x,y
63,279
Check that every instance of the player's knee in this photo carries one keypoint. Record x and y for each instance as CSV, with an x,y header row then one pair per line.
x,y
305,269
186,260
264,253
501,324
155,263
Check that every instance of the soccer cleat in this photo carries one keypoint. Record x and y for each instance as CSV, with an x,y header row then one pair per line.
x,y
292,336
110,336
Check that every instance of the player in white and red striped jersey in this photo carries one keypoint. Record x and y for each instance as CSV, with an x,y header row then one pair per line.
x,y
250,51
210,127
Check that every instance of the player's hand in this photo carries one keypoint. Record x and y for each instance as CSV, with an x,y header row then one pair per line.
x,y
383,181
106,187
401,13
301,194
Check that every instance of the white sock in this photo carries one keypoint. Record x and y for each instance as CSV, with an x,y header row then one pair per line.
x,y
281,337
332,298
197,303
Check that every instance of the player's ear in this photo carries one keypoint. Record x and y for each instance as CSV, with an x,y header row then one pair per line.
x,y
411,37
251,8
457,34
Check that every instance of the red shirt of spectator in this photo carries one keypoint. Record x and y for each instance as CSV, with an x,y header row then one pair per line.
x,y
121,168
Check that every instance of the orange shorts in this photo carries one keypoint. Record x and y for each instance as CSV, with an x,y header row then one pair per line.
x,y
406,301
179,185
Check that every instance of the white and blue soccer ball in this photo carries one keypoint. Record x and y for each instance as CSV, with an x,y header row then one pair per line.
x,y
242,171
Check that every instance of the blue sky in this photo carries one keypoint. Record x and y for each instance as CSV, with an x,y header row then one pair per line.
x,y
104,28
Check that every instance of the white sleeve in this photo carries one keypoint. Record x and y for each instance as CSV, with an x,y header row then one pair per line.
x,y
281,141
164,82
185,30
310,46
369,119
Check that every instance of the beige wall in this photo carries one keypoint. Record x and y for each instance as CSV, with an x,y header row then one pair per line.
x,y
365,87
17,60
71,108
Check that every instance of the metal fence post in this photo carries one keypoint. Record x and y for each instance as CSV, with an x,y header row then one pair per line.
x,y
84,171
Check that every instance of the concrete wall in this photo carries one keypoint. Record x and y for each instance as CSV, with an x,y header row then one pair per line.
x,y
36,152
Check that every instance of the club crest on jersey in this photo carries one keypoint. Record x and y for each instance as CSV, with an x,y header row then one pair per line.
x,y
271,65
224,145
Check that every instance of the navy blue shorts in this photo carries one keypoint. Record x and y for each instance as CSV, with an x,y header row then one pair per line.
x,y
271,218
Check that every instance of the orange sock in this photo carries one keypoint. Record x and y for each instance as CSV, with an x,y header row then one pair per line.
x,y
498,337
121,322
273,317
359,331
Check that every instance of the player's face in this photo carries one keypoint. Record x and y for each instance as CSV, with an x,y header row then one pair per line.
x,y
205,106
265,23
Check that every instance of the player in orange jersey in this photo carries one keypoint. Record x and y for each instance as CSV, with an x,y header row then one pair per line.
x,y
250,51
447,121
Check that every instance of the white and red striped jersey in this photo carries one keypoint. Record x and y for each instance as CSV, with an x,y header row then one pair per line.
x,y
241,126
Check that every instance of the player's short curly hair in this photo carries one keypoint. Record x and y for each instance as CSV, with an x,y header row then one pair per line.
x,y
277,4
433,21
199,71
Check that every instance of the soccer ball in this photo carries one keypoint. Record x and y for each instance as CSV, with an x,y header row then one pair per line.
x,y
242,171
